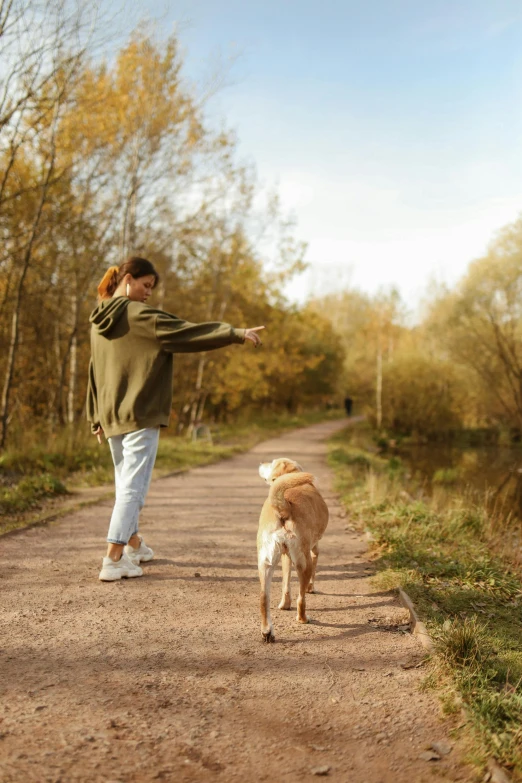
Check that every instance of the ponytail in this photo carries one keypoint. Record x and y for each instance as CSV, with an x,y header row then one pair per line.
x,y
108,283
134,266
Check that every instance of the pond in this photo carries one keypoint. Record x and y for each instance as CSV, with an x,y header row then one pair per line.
x,y
488,472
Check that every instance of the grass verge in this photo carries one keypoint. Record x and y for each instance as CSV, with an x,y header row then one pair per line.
x,y
73,459
468,596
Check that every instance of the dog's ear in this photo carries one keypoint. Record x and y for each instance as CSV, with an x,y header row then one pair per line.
x,y
292,467
285,466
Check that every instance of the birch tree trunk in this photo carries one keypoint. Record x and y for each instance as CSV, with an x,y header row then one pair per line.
x,y
378,396
128,229
73,380
67,403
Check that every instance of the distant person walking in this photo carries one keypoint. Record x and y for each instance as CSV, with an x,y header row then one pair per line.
x,y
129,393
348,403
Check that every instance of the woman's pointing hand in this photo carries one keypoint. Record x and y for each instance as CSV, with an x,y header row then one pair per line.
x,y
252,335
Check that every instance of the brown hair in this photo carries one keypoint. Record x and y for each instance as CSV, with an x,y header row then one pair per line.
x,y
134,266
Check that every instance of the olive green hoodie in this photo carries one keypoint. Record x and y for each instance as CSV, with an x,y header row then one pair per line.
x,y
130,373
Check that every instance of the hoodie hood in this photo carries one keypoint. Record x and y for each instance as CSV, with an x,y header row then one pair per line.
x,y
106,315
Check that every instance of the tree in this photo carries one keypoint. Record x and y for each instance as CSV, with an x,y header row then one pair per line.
x,y
480,322
119,156
369,329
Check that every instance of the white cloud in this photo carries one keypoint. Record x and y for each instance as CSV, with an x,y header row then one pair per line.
x,y
367,237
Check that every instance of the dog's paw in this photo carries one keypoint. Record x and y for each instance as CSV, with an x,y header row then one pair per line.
x,y
310,589
285,604
268,637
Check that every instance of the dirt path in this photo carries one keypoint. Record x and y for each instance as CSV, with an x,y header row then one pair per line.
x,y
166,678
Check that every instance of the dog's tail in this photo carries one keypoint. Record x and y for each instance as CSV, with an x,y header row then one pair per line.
x,y
283,484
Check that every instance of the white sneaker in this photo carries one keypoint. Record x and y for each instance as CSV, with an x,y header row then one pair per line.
x,y
113,570
142,554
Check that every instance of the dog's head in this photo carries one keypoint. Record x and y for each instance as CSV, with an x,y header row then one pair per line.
x,y
270,471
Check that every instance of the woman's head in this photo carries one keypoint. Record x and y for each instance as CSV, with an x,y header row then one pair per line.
x,y
135,278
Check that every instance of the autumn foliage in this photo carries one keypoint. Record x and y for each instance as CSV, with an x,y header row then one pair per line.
x,y
102,158
455,365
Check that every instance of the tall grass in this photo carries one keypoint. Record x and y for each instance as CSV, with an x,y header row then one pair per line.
x,y
448,551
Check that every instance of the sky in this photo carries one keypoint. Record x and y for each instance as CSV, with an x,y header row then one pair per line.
x,y
392,128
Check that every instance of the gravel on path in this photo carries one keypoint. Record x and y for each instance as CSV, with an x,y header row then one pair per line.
x,y
166,677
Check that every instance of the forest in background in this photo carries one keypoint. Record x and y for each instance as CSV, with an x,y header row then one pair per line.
x,y
102,158
459,367
107,156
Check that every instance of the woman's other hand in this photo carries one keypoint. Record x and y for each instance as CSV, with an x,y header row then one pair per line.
x,y
252,335
99,434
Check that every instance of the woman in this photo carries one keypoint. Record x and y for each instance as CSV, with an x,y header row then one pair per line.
x,y
129,394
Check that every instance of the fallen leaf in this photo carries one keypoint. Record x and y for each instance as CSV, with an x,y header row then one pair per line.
x,y
321,771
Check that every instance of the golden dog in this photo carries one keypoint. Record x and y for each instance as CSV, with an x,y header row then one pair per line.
x,y
292,521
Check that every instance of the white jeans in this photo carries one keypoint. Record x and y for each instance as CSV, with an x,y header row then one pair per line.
x,y
133,455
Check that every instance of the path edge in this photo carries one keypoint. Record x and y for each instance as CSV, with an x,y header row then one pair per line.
x,y
417,626
106,493
497,773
